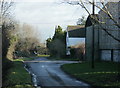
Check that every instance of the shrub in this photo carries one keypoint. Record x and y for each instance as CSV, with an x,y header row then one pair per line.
x,y
78,51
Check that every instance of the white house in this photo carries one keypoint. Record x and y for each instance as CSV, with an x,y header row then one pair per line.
x,y
75,35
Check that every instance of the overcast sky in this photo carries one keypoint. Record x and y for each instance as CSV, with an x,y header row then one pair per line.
x,y
44,15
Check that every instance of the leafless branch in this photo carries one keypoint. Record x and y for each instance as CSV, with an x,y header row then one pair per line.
x,y
7,6
83,6
107,12
99,22
5,10
111,35
95,20
106,30
110,15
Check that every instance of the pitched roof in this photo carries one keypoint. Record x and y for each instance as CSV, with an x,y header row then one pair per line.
x,y
89,20
74,27
76,31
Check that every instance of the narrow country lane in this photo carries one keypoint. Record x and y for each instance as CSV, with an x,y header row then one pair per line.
x,y
47,73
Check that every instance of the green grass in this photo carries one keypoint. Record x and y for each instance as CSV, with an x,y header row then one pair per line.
x,y
18,77
24,59
43,55
104,73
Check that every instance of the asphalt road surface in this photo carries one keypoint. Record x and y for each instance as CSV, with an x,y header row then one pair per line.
x,y
47,73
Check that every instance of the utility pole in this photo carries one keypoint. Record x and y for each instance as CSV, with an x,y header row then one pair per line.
x,y
93,14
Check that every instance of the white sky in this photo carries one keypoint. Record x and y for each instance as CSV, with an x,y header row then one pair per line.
x,y
46,14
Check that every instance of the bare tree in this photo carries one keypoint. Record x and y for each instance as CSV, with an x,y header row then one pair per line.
x,y
6,24
28,39
101,6
81,21
5,6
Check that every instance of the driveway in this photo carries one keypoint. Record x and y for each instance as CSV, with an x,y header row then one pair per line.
x,y
47,73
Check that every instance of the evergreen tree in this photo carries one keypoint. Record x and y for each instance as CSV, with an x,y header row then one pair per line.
x,y
56,45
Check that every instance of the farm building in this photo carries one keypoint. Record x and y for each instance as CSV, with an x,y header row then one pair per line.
x,y
105,47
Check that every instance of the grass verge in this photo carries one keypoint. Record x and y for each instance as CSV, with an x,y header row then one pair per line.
x,y
104,73
24,59
43,55
18,77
